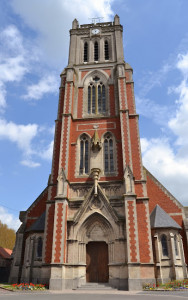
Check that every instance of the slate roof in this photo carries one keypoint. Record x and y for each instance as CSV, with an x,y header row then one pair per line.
x,y
160,219
39,224
5,253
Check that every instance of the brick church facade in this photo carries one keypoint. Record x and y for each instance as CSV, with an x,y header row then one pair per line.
x,y
103,217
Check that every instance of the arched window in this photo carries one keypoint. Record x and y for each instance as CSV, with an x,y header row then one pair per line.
x,y
164,245
85,52
96,97
106,50
96,51
108,153
39,247
176,246
84,154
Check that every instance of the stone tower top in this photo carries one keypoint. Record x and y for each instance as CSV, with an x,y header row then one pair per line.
x,y
96,43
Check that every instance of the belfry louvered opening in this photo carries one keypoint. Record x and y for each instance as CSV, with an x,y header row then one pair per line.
x,y
106,50
85,52
96,51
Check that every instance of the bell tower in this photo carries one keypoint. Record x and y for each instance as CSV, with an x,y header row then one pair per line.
x,y
96,43
97,187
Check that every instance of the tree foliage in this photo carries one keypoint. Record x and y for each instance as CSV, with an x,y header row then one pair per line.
x,y
7,236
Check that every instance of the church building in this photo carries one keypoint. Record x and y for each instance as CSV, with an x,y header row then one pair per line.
x,y
103,217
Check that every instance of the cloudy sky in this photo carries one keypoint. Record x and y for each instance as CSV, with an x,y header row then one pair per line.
x,y
34,39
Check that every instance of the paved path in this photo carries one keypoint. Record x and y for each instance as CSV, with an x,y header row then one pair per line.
x,y
92,295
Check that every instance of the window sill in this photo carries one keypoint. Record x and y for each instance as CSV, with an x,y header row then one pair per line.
x,y
95,116
165,258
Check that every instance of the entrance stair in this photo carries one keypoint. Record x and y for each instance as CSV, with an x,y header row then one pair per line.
x,y
95,286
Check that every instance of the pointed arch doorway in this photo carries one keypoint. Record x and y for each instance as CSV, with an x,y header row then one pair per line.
x,y
97,269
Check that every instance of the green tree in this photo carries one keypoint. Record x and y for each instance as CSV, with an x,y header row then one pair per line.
x,y
7,236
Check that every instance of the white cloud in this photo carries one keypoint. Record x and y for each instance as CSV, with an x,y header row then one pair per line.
x,y
22,135
26,139
179,124
53,36
9,219
182,63
13,62
29,163
11,39
169,161
18,57
2,97
12,68
162,161
152,79
149,109
45,85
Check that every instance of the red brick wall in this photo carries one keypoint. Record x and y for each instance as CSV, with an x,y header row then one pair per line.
x,y
122,93
64,144
56,152
38,207
143,232
83,74
112,100
128,76
80,103
136,156
130,100
131,231
67,100
139,190
65,239
158,196
61,102
126,138
108,71
49,234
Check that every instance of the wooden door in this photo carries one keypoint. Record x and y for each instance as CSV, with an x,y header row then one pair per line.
x,y
97,262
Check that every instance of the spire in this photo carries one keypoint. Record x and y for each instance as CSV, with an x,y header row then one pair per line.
x,y
116,20
75,24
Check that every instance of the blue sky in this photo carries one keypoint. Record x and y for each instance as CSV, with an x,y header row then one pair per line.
x,y
34,40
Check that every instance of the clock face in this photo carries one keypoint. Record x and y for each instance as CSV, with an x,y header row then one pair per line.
x,y
95,31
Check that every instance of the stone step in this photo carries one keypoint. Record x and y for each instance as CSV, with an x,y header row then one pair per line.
x,y
95,286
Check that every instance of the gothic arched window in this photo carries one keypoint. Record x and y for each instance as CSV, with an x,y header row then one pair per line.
x,y
84,155
96,97
96,51
85,52
164,245
108,153
106,50
39,247
176,246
